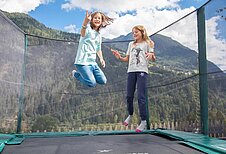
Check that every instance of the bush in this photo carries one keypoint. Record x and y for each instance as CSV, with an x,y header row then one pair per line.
x,y
46,122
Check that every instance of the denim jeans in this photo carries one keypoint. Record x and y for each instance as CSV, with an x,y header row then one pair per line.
x,y
139,79
90,75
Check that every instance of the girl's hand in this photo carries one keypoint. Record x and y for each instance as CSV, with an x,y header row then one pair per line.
x,y
116,53
102,61
150,56
88,15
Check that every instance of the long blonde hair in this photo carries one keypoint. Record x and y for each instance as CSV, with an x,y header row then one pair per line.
x,y
105,20
145,36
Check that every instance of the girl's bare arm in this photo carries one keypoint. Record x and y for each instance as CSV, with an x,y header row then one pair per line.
x,y
118,56
85,22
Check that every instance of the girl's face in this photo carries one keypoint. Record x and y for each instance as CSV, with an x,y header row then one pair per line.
x,y
137,35
97,20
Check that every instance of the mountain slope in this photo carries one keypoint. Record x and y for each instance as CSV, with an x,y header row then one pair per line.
x,y
31,26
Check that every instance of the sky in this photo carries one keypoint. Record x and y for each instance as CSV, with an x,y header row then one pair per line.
x,y
68,15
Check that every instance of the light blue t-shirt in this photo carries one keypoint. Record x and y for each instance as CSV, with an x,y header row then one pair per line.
x,y
88,46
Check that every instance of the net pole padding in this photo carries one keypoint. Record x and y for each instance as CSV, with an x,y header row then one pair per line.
x,y
203,85
147,109
21,97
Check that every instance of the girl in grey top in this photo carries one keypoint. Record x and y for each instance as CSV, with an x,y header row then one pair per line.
x,y
139,52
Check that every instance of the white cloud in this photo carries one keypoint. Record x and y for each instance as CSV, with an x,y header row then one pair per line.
x,y
119,5
71,29
154,16
152,19
22,6
184,31
216,47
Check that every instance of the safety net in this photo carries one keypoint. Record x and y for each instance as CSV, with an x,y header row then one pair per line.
x,y
11,73
40,97
39,94
55,101
216,77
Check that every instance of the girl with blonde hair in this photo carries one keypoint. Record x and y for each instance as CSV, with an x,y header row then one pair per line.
x,y
138,54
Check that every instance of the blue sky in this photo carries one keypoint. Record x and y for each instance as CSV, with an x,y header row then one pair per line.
x,y
68,15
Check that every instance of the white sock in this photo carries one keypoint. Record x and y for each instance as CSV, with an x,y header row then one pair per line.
x,y
142,125
127,121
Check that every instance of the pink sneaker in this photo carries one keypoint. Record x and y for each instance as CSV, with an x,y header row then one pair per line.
x,y
127,121
142,126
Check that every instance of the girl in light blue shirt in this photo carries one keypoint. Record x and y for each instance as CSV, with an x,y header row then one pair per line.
x,y
87,70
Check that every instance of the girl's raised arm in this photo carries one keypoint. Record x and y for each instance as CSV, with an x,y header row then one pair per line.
x,y
85,22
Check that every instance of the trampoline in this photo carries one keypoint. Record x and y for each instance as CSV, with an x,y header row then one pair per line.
x,y
112,144
156,141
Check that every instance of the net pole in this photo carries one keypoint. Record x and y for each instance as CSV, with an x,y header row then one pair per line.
x,y
147,109
21,97
203,85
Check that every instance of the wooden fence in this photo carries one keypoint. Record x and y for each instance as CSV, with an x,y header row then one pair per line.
x,y
216,128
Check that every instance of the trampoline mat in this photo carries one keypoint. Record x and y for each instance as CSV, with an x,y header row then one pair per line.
x,y
110,144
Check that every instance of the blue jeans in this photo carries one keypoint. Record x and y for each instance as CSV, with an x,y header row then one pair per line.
x,y
139,79
90,75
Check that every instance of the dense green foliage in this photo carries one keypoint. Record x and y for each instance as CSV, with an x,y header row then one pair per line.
x,y
45,123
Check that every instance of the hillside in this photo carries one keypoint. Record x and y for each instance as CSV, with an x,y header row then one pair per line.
x,y
31,26
50,90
